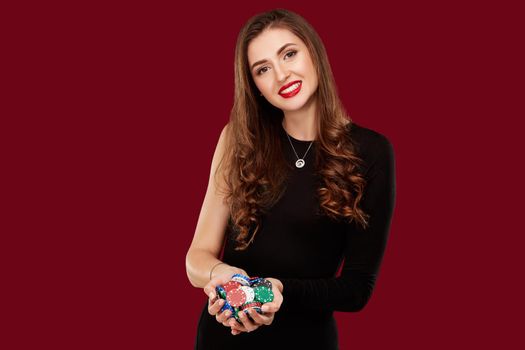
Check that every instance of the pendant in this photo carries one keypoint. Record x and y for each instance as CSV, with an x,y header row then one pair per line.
x,y
299,163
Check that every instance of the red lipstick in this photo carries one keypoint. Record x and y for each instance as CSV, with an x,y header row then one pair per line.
x,y
291,93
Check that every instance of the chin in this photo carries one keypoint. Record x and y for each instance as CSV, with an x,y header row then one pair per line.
x,y
292,106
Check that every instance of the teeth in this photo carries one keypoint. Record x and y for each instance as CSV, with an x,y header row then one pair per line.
x,y
291,88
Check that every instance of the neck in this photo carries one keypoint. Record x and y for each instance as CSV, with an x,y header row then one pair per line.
x,y
301,124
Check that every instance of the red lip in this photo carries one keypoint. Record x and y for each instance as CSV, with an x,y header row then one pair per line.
x,y
289,84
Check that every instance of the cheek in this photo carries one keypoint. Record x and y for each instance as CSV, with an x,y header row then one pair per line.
x,y
309,67
263,85
313,74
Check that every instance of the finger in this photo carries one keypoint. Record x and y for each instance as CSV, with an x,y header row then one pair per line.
x,y
261,319
247,323
211,301
223,316
270,307
214,308
235,325
209,291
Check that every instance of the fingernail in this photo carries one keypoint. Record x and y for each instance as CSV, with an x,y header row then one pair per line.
x,y
264,308
212,295
227,313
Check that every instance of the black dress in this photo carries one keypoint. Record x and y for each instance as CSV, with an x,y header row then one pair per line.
x,y
305,250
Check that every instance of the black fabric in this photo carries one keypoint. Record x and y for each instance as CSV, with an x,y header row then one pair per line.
x,y
304,249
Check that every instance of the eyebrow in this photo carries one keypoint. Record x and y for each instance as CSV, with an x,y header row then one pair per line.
x,y
278,53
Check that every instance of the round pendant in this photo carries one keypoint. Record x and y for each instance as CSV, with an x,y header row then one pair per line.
x,y
299,163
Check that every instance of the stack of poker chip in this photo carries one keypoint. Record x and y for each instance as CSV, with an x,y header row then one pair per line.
x,y
243,293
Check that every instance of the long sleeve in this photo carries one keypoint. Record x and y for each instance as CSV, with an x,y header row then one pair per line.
x,y
364,249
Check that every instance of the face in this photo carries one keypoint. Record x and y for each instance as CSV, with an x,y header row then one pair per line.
x,y
282,69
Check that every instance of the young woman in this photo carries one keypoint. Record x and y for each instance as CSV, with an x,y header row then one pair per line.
x,y
296,190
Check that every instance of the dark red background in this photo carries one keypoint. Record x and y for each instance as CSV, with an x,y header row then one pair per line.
x,y
110,116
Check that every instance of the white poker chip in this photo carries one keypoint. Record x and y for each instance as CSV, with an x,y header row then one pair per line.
x,y
250,294
243,280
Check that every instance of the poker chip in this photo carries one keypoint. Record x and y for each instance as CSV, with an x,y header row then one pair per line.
x,y
236,297
253,305
221,292
236,315
243,280
250,294
263,294
227,306
231,285
263,283
255,280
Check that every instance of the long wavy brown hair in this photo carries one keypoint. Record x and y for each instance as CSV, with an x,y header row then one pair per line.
x,y
253,166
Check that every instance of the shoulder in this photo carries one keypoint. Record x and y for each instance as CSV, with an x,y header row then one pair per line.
x,y
225,132
370,145
221,149
225,139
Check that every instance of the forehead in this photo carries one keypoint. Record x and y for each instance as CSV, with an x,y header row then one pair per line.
x,y
266,44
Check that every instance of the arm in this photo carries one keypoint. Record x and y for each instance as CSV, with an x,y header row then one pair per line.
x,y
207,242
363,253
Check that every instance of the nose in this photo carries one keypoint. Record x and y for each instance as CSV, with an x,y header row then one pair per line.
x,y
281,73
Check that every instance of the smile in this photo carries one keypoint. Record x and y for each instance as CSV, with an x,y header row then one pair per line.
x,y
291,89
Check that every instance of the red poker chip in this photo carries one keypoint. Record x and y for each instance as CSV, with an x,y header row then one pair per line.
x,y
231,285
236,297
250,305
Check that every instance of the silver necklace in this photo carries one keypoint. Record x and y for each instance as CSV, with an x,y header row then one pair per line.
x,y
300,161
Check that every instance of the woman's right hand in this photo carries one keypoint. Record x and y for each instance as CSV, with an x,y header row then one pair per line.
x,y
269,309
214,302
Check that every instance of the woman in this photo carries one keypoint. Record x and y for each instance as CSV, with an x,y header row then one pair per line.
x,y
296,189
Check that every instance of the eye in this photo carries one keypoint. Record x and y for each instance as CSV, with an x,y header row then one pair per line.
x,y
290,53
260,70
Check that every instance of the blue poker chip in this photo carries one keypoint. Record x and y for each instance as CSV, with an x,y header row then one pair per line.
x,y
227,306
255,280
221,292
243,280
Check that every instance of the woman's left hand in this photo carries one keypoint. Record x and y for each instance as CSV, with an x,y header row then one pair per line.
x,y
257,319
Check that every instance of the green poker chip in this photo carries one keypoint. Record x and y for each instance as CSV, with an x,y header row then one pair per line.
x,y
220,292
263,294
